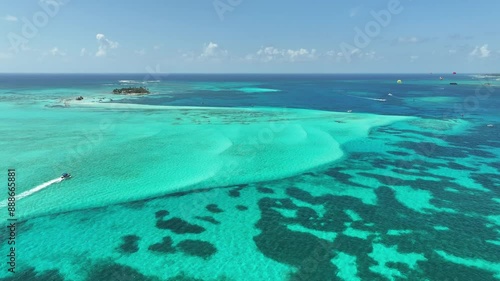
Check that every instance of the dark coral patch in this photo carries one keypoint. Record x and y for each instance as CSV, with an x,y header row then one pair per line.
x,y
299,249
344,178
166,246
116,272
136,205
265,190
235,192
208,219
487,180
301,195
161,213
456,166
214,208
183,277
402,267
305,214
130,244
384,179
452,271
495,165
197,248
179,226
31,275
429,149
353,246
290,247
241,207
24,226
399,153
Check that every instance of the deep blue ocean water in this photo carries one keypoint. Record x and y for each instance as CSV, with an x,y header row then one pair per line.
x,y
332,92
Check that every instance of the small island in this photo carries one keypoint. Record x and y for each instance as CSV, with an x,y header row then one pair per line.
x,y
131,91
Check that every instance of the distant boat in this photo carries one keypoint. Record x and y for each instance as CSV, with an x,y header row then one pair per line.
x,y
65,176
454,72
399,82
441,78
453,83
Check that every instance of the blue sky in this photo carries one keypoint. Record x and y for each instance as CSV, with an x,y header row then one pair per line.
x,y
249,36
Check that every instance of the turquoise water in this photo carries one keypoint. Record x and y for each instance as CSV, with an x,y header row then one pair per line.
x,y
253,177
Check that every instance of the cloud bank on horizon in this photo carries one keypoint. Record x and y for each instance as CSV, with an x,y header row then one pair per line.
x,y
244,36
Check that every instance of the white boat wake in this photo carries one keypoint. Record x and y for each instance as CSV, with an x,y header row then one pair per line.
x,y
397,97
31,191
367,98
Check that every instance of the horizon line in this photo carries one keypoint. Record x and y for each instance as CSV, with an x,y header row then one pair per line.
x,y
244,73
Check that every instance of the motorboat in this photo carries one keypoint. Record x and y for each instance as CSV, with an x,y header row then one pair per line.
x,y
65,176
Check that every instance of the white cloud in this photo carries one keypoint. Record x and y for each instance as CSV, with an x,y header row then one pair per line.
x,y
274,54
413,58
457,36
414,40
408,39
370,55
4,56
360,54
10,18
156,47
452,51
293,54
104,45
101,52
56,52
209,49
354,11
334,54
354,53
83,52
51,2
480,52
140,52
212,51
